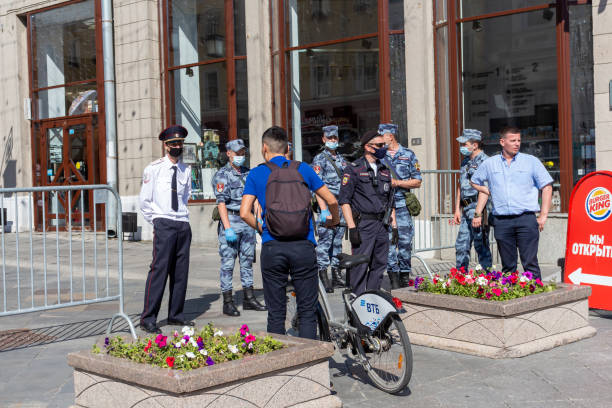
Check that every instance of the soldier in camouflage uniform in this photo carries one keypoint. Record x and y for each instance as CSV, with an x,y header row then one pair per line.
x,y
406,175
465,205
236,238
329,165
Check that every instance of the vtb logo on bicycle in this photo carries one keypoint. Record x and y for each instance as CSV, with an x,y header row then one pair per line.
x,y
370,307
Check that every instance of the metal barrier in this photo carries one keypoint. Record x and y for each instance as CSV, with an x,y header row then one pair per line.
x,y
433,230
36,201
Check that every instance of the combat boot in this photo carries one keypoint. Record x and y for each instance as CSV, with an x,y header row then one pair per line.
x,y
336,278
394,278
250,302
325,280
404,280
229,308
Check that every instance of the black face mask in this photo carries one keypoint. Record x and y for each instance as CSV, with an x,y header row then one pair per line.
x,y
176,151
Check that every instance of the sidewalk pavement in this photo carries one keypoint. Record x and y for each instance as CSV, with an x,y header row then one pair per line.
x,y
34,372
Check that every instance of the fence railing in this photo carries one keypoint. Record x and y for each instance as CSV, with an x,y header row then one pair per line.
x,y
433,229
54,254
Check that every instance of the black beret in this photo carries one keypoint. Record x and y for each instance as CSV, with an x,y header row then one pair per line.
x,y
173,132
367,136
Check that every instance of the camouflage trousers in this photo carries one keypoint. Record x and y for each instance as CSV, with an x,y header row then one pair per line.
x,y
400,255
467,234
243,248
329,244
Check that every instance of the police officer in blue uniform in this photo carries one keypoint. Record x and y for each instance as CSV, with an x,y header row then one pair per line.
x,y
406,175
329,166
366,197
465,204
236,238
165,191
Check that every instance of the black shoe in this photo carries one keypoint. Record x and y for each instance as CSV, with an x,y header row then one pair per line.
x,y
394,278
337,281
150,328
250,302
325,280
404,279
178,322
229,308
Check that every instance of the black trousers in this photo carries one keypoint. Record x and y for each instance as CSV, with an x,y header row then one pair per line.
x,y
522,232
374,243
171,242
279,259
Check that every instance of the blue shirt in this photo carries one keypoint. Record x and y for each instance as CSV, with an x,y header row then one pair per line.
x,y
256,186
514,188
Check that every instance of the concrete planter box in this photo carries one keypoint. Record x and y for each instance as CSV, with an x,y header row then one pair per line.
x,y
296,376
512,328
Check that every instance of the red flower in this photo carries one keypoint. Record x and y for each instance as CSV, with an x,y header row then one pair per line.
x,y
461,279
480,290
411,282
497,291
148,346
522,284
514,278
170,361
532,288
488,295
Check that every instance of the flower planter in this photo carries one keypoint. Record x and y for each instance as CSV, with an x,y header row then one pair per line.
x,y
497,329
297,375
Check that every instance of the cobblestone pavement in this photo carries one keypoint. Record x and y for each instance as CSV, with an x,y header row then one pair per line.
x,y
34,372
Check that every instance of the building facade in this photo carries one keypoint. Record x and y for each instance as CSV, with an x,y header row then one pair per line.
x,y
231,68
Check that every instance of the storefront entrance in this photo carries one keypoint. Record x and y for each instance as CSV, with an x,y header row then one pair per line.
x,y
68,155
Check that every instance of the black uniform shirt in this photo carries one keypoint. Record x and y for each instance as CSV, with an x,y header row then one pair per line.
x,y
358,188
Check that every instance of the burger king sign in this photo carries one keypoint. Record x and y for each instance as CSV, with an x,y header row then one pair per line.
x,y
598,204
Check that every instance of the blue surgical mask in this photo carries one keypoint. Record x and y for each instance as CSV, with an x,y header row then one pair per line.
x,y
465,151
238,160
380,153
331,145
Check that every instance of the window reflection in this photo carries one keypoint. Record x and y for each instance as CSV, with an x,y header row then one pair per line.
x,y
335,84
510,78
470,8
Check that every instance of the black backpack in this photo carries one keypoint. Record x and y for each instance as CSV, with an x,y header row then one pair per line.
x,y
288,209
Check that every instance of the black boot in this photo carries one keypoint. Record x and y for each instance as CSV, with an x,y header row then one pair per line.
x,y
326,284
404,280
394,278
229,308
250,302
337,281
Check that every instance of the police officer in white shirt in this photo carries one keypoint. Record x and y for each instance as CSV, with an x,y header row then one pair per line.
x,y
166,186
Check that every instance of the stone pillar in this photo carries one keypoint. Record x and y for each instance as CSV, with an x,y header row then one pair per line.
x,y
602,71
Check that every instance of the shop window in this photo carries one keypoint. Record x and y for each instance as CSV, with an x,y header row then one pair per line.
x,y
329,53
207,82
470,8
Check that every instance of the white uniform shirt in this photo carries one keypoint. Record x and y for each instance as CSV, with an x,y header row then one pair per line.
x,y
156,190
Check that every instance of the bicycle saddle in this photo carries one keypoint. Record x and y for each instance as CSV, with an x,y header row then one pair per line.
x,y
348,261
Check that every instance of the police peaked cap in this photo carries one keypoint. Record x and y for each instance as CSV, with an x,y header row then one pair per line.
x,y
470,134
173,132
331,130
387,128
367,136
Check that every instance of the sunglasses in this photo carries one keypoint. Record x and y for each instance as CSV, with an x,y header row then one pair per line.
x,y
175,143
376,145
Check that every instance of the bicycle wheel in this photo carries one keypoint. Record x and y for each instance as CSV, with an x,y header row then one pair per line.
x,y
390,365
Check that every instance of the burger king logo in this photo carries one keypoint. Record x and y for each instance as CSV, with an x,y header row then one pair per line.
x,y
598,204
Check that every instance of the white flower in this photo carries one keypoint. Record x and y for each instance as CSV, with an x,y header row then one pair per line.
x,y
478,268
189,331
524,279
204,352
218,333
445,284
193,342
183,341
178,345
233,348
189,354
481,281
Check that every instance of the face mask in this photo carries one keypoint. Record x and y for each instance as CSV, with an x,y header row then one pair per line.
x,y
238,160
176,151
331,145
380,153
464,151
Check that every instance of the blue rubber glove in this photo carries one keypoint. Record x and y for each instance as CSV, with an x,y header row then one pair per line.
x,y
324,214
230,236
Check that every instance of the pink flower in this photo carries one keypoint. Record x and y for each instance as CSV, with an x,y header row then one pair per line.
x,y
160,340
497,291
250,338
505,290
176,333
539,282
244,329
488,295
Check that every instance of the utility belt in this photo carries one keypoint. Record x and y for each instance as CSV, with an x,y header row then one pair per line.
x,y
233,212
468,200
372,216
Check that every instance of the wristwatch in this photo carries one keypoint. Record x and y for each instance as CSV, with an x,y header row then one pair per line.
x,y
477,215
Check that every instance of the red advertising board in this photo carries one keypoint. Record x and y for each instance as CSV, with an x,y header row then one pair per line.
x,y
588,254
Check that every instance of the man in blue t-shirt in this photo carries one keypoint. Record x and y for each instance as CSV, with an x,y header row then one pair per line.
x,y
281,258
